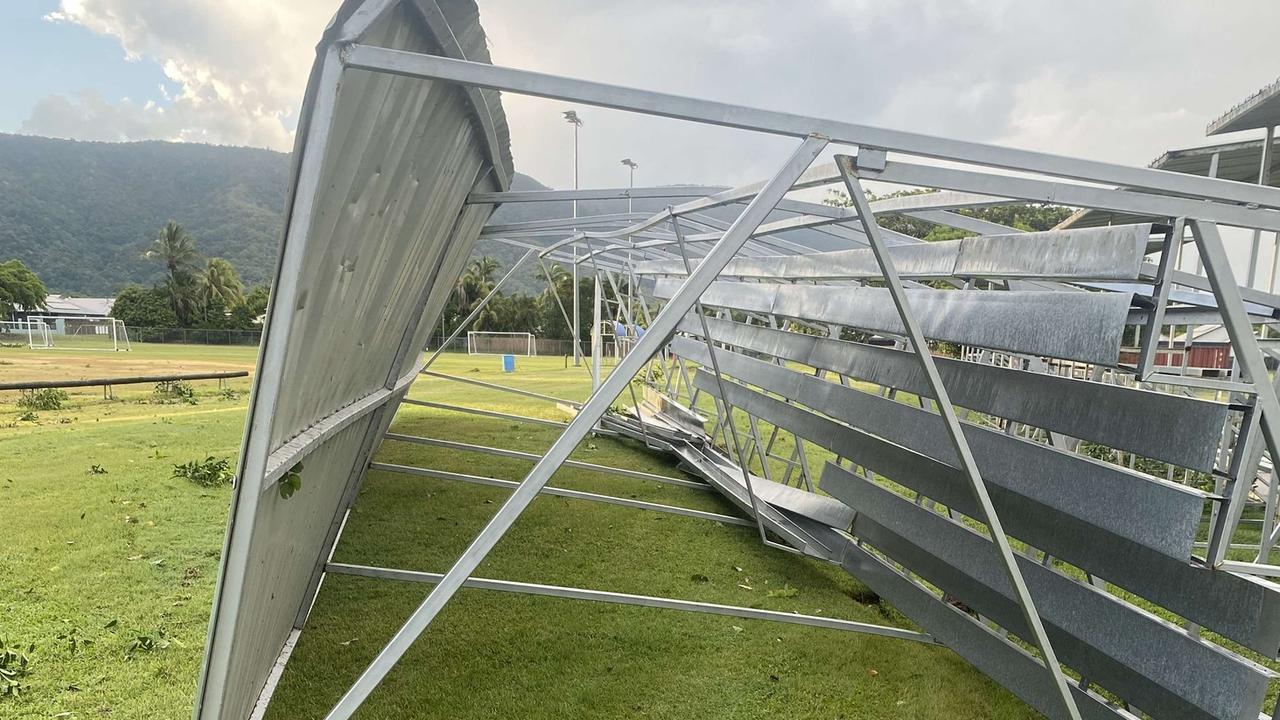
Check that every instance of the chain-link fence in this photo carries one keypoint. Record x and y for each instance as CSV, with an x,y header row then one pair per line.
x,y
195,336
545,346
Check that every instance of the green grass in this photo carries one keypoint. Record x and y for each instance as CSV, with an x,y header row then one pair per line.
x,y
133,552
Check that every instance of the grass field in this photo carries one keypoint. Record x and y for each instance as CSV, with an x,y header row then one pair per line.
x,y
109,573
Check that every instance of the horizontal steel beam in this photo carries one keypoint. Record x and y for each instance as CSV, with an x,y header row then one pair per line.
x,y
593,467
562,492
663,191
1061,193
524,82
573,593
501,388
485,413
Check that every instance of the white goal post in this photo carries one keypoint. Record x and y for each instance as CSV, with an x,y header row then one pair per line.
x,y
480,342
82,332
16,333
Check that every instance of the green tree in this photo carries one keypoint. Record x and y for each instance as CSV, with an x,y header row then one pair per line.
x,y
137,306
245,315
220,289
20,289
177,250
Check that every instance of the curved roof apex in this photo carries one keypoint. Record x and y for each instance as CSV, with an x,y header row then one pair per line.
x,y
455,31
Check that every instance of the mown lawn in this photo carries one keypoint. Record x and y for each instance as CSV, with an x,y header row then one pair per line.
x,y
94,562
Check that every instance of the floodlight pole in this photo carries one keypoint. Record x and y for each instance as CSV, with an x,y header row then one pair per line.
x,y
571,117
597,341
596,406
849,172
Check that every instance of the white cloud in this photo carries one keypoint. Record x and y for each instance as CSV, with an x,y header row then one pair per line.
x,y
1120,81
238,67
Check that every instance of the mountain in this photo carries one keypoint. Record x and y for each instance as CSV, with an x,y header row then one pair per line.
x,y
81,214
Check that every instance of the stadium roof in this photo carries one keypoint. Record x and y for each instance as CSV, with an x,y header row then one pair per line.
x,y
1237,161
1259,110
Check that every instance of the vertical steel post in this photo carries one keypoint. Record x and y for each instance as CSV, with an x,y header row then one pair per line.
x,y
1249,359
577,344
1264,173
597,341
679,304
848,171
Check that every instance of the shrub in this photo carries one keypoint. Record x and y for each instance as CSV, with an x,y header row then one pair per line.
x,y
173,391
45,399
211,472
13,667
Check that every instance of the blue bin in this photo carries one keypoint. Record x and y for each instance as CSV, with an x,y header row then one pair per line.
x,y
509,363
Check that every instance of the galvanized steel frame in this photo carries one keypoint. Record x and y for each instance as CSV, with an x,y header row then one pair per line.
x,y
1202,202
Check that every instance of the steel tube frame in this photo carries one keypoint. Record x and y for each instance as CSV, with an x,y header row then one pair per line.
x,y
664,324
486,413
573,593
502,388
562,492
727,423
502,452
1249,356
849,172
746,118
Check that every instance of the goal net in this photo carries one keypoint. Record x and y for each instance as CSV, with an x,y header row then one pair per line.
x,y
501,343
23,333
70,332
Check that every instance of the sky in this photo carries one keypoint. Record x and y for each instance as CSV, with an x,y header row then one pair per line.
x,y
1120,80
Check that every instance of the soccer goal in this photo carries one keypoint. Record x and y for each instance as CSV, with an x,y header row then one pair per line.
x,y
20,333
73,332
501,343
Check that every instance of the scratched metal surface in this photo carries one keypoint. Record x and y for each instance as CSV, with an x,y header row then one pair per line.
x,y
378,232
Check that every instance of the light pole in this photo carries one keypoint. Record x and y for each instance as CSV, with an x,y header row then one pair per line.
x,y
632,165
631,185
571,117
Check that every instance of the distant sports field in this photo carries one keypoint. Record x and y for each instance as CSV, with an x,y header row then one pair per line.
x,y
107,565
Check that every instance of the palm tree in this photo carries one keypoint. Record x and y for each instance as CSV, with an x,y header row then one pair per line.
x,y
177,250
220,287
220,281
476,282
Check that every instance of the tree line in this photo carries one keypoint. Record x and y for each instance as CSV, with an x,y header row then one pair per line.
x,y
538,313
195,293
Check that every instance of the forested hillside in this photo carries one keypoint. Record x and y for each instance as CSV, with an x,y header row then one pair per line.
x,y
81,214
